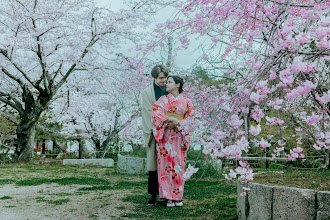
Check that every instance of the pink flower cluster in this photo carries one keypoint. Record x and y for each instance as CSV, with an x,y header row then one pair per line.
x,y
236,149
189,172
314,118
263,144
296,153
276,104
235,122
324,141
255,130
244,170
273,121
323,99
304,89
257,113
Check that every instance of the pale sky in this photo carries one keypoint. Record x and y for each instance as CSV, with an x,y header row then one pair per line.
x,y
185,59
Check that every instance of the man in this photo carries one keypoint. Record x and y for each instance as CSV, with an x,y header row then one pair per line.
x,y
149,96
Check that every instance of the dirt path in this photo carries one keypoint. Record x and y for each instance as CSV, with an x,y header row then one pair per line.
x,y
53,201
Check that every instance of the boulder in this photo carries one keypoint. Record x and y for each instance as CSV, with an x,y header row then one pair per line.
x,y
131,165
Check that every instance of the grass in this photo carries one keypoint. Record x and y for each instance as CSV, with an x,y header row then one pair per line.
x,y
206,195
5,197
117,186
55,202
211,199
140,152
62,181
306,179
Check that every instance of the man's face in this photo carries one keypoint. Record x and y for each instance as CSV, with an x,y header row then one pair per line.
x,y
161,79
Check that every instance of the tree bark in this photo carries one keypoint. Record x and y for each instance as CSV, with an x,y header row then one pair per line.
x,y
26,143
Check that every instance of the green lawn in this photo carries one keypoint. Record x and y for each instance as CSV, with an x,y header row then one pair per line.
x,y
204,196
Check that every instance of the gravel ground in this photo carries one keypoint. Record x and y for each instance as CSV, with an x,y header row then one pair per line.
x,y
53,201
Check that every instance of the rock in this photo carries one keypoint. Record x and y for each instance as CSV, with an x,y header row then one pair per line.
x,y
131,165
323,204
89,162
242,202
293,203
260,201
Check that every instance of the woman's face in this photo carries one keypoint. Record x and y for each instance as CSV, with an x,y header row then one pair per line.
x,y
171,86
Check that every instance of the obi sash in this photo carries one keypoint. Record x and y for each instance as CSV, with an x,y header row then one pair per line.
x,y
174,115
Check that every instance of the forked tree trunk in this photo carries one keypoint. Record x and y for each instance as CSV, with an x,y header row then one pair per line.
x,y
26,143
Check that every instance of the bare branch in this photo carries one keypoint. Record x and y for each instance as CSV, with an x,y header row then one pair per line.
x,y
72,68
39,54
18,68
293,5
11,101
20,82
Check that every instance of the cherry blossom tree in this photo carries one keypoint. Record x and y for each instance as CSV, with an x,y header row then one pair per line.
x,y
277,55
42,45
274,58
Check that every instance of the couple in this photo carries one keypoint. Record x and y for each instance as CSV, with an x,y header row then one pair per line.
x,y
163,109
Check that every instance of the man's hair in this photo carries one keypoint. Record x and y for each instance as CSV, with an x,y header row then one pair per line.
x,y
159,69
177,80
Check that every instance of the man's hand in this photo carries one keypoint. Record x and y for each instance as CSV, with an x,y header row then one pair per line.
x,y
172,123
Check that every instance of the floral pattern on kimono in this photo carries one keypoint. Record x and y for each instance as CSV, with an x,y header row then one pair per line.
x,y
172,145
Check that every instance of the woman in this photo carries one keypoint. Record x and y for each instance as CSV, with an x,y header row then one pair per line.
x,y
172,144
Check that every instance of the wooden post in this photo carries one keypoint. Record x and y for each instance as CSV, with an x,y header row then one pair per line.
x,y
267,155
80,149
43,146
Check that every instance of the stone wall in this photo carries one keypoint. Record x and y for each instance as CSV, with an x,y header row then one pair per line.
x,y
278,202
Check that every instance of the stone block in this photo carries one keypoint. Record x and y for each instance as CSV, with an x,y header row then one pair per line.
x,y
122,164
89,162
242,204
323,205
293,203
260,201
132,165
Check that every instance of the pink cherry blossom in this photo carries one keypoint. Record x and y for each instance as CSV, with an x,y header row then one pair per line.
x,y
263,144
313,119
323,99
255,97
255,130
189,172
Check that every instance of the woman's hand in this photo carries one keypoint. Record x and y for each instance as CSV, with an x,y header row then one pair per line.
x,y
172,123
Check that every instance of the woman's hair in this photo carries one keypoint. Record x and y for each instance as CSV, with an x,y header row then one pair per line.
x,y
178,79
158,69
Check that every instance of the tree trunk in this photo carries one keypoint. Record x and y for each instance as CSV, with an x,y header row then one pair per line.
x,y
26,143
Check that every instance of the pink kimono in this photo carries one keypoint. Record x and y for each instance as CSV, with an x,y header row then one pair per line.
x,y
171,145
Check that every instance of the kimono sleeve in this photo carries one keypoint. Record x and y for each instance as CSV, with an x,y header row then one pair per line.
x,y
158,119
185,127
